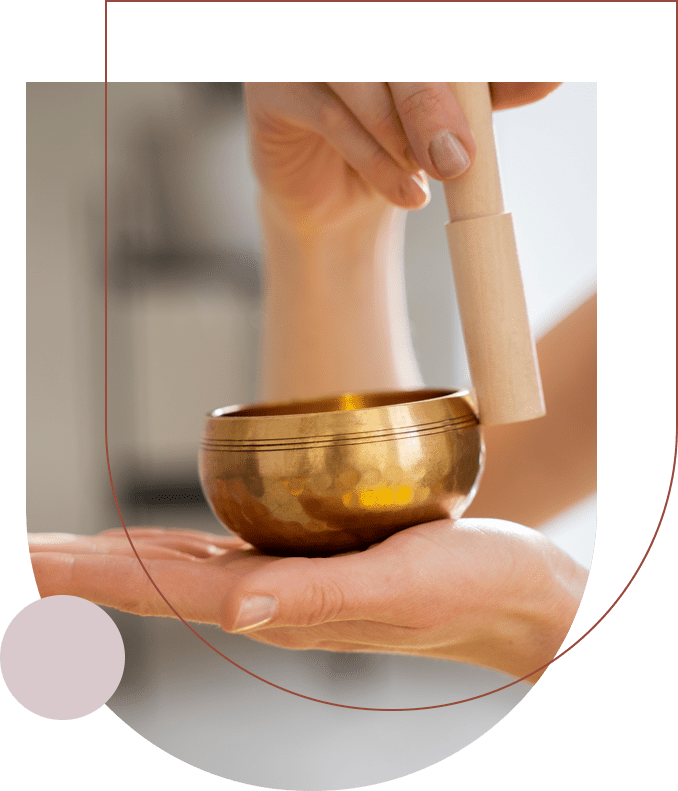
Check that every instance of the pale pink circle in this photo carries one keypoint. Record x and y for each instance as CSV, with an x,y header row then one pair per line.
x,y
62,657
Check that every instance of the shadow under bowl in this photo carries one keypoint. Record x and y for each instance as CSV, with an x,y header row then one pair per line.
x,y
331,475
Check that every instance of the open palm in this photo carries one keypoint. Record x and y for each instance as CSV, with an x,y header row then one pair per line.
x,y
482,591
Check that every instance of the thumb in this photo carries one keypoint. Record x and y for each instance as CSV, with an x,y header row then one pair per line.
x,y
305,592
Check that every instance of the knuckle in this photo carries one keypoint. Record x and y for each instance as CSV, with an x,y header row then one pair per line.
x,y
386,123
140,596
423,99
327,601
330,114
377,167
377,162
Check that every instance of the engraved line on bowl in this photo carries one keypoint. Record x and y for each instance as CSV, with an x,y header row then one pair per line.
x,y
308,446
333,439
459,422
453,423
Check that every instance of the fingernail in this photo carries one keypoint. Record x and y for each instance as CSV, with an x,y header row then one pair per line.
x,y
421,181
448,155
255,611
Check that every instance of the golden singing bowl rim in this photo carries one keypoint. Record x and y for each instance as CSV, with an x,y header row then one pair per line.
x,y
348,417
320,483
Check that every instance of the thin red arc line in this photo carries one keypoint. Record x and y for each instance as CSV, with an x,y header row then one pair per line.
x,y
160,593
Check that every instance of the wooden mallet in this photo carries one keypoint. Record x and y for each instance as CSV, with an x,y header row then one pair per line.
x,y
499,343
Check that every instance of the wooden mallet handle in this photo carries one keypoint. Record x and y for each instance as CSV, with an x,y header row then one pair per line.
x,y
499,343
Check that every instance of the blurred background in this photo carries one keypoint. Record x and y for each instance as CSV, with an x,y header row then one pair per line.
x,y
184,307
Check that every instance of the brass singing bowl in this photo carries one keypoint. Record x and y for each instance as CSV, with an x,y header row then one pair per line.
x,y
316,478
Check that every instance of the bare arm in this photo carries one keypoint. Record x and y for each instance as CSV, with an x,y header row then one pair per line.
x,y
335,315
336,321
539,468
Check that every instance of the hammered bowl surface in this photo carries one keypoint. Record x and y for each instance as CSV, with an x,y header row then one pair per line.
x,y
317,478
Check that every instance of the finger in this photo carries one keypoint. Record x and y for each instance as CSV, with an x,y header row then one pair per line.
x,y
436,127
312,591
198,548
36,541
194,590
97,545
220,541
516,94
372,105
328,116
192,545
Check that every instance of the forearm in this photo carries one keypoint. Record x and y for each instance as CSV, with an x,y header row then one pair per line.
x,y
335,312
537,469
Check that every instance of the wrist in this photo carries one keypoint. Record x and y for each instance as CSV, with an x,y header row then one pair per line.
x,y
521,625
298,242
335,312
540,619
